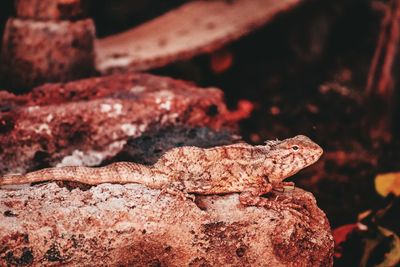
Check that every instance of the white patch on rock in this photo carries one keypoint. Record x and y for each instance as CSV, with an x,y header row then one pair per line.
x,y
166,105
137,89
129,129
164,99
124,226
44,127
76,159
117,108
91,157
113,110
49,117
115,203
33,108
105,108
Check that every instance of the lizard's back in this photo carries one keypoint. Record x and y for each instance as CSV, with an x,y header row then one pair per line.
x,y
213,169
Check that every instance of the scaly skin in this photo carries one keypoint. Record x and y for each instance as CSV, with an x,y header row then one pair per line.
x,y
242,168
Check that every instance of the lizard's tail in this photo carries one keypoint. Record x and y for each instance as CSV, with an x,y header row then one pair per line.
x,y
119,172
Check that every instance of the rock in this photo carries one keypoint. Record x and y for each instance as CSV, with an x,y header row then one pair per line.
x,y
88,121
35,52
116,225
49,9
197,27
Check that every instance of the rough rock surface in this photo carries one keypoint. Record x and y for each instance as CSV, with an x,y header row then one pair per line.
x,y
194,28
49,9
115,225
34,52
88,121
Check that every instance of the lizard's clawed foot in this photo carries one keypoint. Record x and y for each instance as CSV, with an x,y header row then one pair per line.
x,y
247,198
285,204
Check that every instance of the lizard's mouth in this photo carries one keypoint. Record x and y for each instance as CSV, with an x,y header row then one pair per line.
x,y
318,153
312,154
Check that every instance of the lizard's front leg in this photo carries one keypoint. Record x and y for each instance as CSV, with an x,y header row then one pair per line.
x,y
253,198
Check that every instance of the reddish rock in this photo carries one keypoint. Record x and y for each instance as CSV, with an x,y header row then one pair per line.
x,y
49,9
197,27
130,225
35,52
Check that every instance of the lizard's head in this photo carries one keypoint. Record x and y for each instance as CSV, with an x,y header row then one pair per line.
x,y
291,155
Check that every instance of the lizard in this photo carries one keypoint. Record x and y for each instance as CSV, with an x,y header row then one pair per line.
x,y
241,168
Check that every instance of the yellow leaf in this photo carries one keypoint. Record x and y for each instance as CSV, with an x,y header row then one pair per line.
x,y
388,183
392,257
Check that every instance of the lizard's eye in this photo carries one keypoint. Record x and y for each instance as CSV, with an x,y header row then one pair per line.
x,y
295,147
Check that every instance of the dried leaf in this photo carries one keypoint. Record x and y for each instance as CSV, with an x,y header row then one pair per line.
x,y
388,183
364,215
390,257
340,235
369,245
221,61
